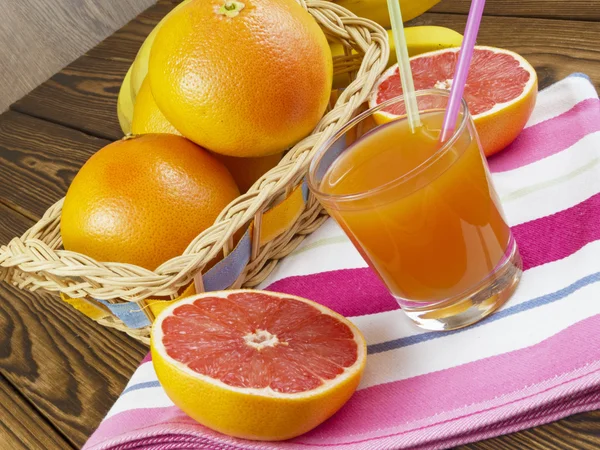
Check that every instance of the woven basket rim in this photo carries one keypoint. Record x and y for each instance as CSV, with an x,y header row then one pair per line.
x,y
35,260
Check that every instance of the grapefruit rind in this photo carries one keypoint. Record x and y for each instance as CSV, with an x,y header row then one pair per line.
x,y
248,413
383,116
157,335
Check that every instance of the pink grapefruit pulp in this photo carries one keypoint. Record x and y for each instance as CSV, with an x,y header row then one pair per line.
x,y
500,92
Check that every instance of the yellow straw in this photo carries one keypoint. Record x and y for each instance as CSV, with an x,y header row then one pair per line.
x,y
408,86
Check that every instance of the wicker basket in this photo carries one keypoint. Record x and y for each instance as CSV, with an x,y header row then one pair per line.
x,y
100,290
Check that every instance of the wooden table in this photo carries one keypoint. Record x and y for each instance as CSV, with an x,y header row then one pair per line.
x,y
59,371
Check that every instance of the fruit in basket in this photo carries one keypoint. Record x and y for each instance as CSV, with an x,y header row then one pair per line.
x,y
147,118
500,92
419,40
246,171
255,364
125,104
143,200
243,79
377,10
139,68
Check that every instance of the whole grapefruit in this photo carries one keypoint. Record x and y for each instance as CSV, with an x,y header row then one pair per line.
x,y
242,78
143,200
147,118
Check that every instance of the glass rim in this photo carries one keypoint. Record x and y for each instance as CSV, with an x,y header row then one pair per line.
x,y
401,178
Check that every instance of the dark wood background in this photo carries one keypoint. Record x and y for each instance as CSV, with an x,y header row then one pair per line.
x,y
38,37
59,371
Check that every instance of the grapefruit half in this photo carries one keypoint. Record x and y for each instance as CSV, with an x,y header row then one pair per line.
x,y
254,364
501,90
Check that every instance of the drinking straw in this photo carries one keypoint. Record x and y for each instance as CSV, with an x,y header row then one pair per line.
x,y
406,78
462,68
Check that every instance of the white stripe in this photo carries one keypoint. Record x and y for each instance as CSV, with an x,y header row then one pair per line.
x,y
526,328
508,334
536,282
560,98
537,204
144,373
142,398
320,259
555,198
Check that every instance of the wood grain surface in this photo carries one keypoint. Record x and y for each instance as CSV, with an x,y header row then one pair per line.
x,y
578,432
555,50
38,160
21,427
59,371
82,96
552,9
65,364
39,37
124,43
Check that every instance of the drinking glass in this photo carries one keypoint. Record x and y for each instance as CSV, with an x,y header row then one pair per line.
x,y
423,214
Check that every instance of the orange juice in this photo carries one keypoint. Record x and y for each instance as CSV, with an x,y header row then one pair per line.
x,y
424,216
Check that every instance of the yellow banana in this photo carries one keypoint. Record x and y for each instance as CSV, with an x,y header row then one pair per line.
x,y
125,104
418,39
140,64
426,39
377,10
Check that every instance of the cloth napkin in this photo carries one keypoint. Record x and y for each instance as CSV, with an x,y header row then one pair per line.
x,y
534,361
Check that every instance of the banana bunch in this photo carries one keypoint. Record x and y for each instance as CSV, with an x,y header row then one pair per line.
x,y
419,40
136,75
377,10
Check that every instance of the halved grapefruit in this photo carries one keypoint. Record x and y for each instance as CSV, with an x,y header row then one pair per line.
x,y
254,364
501,90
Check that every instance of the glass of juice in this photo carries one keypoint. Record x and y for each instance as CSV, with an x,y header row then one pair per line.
x,y
423,214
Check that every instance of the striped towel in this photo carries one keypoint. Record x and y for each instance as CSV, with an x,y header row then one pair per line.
x,y
534,361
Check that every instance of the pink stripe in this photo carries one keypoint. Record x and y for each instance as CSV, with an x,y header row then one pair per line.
x,y
540,241
350,292
557,236
409,400
549,137
386,412
147,358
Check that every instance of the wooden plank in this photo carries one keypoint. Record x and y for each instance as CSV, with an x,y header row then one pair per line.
x,y
578,432
39,37
82,96
69,367
38,160
21,427
555,48
124,44
551,9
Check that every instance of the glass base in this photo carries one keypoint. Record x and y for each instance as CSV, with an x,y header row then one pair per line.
x,y
473,305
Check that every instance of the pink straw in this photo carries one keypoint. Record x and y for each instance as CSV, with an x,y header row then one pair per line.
x,y
462,68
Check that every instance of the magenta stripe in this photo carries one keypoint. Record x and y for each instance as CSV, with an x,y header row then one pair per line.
x,y
388,410
549,137
424,396
559,235
350,292
540,241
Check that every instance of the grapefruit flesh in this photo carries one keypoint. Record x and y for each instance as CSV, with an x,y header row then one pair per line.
x,y
257,365
500,92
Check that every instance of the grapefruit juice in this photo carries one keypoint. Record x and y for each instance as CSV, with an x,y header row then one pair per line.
x,y
424,216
